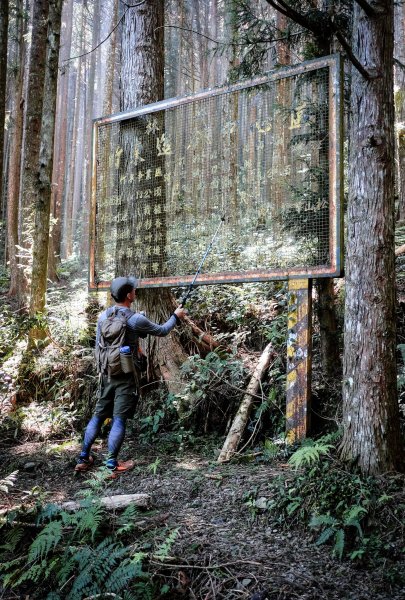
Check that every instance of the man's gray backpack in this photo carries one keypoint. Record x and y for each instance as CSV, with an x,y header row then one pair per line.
x,y
111,339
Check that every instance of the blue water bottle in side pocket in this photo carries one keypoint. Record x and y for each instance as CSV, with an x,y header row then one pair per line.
x,y
127,362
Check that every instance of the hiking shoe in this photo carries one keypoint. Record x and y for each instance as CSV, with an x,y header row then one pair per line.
x,y
111,463
84,464
119,467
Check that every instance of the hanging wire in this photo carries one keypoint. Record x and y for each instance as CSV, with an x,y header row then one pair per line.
x,y
109,34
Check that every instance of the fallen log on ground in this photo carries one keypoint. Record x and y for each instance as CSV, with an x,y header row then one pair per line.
x,y
240,421
115,502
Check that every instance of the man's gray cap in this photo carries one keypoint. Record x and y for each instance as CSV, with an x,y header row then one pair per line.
x,y
119,282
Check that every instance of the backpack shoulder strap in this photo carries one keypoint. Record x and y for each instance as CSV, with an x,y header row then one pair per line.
x,y
113,311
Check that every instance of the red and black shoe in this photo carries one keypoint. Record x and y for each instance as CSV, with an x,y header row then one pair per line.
x,y
117,467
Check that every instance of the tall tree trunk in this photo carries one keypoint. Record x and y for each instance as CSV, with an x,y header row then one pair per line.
x,y
370,409
87,130
213,32
32,126
43,191
399,11
142,69
201,44
111,65
15,155
3,78
78,181
58,177
73,173
234,142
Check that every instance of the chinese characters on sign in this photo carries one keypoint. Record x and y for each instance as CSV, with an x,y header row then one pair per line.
x,y
261,154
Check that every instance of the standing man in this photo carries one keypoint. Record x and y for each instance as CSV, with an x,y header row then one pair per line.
x,y
118,393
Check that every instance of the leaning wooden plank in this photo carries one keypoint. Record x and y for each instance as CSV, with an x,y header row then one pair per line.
x,y
240,421
114,502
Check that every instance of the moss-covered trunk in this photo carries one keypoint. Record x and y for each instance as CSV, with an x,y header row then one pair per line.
x,y
43,184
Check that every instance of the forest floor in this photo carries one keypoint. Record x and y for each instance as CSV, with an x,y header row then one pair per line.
x,y
225,548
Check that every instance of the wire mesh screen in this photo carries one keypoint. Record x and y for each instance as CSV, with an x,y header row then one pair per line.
x,y
260,156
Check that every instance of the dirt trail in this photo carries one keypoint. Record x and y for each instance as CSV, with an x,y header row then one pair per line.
x,y
223,550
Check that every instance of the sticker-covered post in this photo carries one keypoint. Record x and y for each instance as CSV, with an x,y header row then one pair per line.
x,y
299,359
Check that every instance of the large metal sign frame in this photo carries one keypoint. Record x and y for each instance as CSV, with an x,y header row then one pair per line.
x,y
335,165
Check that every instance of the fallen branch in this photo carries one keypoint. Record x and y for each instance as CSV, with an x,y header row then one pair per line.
x,y
114,502
212,476
240,421
209,567
109,502
103,595
203,338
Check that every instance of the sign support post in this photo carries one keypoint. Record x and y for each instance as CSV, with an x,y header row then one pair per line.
x,y
299,359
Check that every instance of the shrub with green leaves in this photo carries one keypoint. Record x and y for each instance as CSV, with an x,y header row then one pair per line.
x,y
213,386
332,528
13,326
250,315
361,518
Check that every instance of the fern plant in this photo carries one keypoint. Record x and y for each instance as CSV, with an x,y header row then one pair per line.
x,y
46,541
330,529
163,550
71,552
309,453
334,528
126,522
8,482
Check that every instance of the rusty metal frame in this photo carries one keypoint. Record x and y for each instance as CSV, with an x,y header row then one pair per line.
x,y
335,268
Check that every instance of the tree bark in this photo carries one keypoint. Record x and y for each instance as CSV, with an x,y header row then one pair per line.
x,y
4,8
371,435
142,70
58,177
399,72
115,502
73,170
111,65
204,340
32,130
201,44
242,416
87,130
15,155
43,188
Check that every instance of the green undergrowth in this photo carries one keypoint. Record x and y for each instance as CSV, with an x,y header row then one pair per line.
x,y
48,388
361,519
211,390
249,315
54,554
60,369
